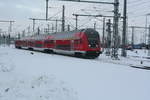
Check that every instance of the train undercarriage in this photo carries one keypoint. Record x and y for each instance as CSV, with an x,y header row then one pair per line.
x,y
80,54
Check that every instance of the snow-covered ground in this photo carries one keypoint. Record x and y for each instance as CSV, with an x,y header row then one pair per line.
x,y
39,76
136,57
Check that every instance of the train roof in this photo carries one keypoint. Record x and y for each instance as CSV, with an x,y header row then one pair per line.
x,y
56,35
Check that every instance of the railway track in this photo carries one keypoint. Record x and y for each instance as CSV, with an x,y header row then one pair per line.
x,y
117,62
120,62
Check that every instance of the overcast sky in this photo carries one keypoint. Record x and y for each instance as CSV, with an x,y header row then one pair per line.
x,y
22,10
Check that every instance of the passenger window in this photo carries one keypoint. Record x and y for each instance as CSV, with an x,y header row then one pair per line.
x,y
46,41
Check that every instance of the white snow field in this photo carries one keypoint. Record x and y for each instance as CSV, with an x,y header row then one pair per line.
x,y
40,76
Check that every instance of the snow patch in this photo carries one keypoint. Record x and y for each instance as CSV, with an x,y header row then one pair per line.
x,y
5,66
39,88
94,79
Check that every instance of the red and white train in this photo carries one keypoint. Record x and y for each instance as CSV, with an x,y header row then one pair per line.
x,y
84,42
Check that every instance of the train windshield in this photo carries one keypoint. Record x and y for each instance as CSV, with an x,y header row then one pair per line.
x,y
93,38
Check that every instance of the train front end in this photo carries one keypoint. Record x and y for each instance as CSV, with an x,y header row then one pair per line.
x,y
92,46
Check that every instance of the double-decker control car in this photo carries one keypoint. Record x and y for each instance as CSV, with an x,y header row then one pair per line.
x,y
84,42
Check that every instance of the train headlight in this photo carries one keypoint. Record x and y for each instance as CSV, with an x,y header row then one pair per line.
x,y
89,45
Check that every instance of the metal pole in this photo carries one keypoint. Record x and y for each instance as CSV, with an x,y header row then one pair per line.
x,y
52,28
56,25
33,24
63,18
115,30
28,30
95,25
132,41
149,42
47,9
124,53
10,26
68,27
38,33
103,39
127,28
48,29
76,22
108,37
145,29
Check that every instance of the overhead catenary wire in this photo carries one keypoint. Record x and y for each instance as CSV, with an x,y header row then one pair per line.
x,y
134,1
138,3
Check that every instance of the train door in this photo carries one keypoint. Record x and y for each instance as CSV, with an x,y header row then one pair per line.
x,y
77,44
72,44
54,44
